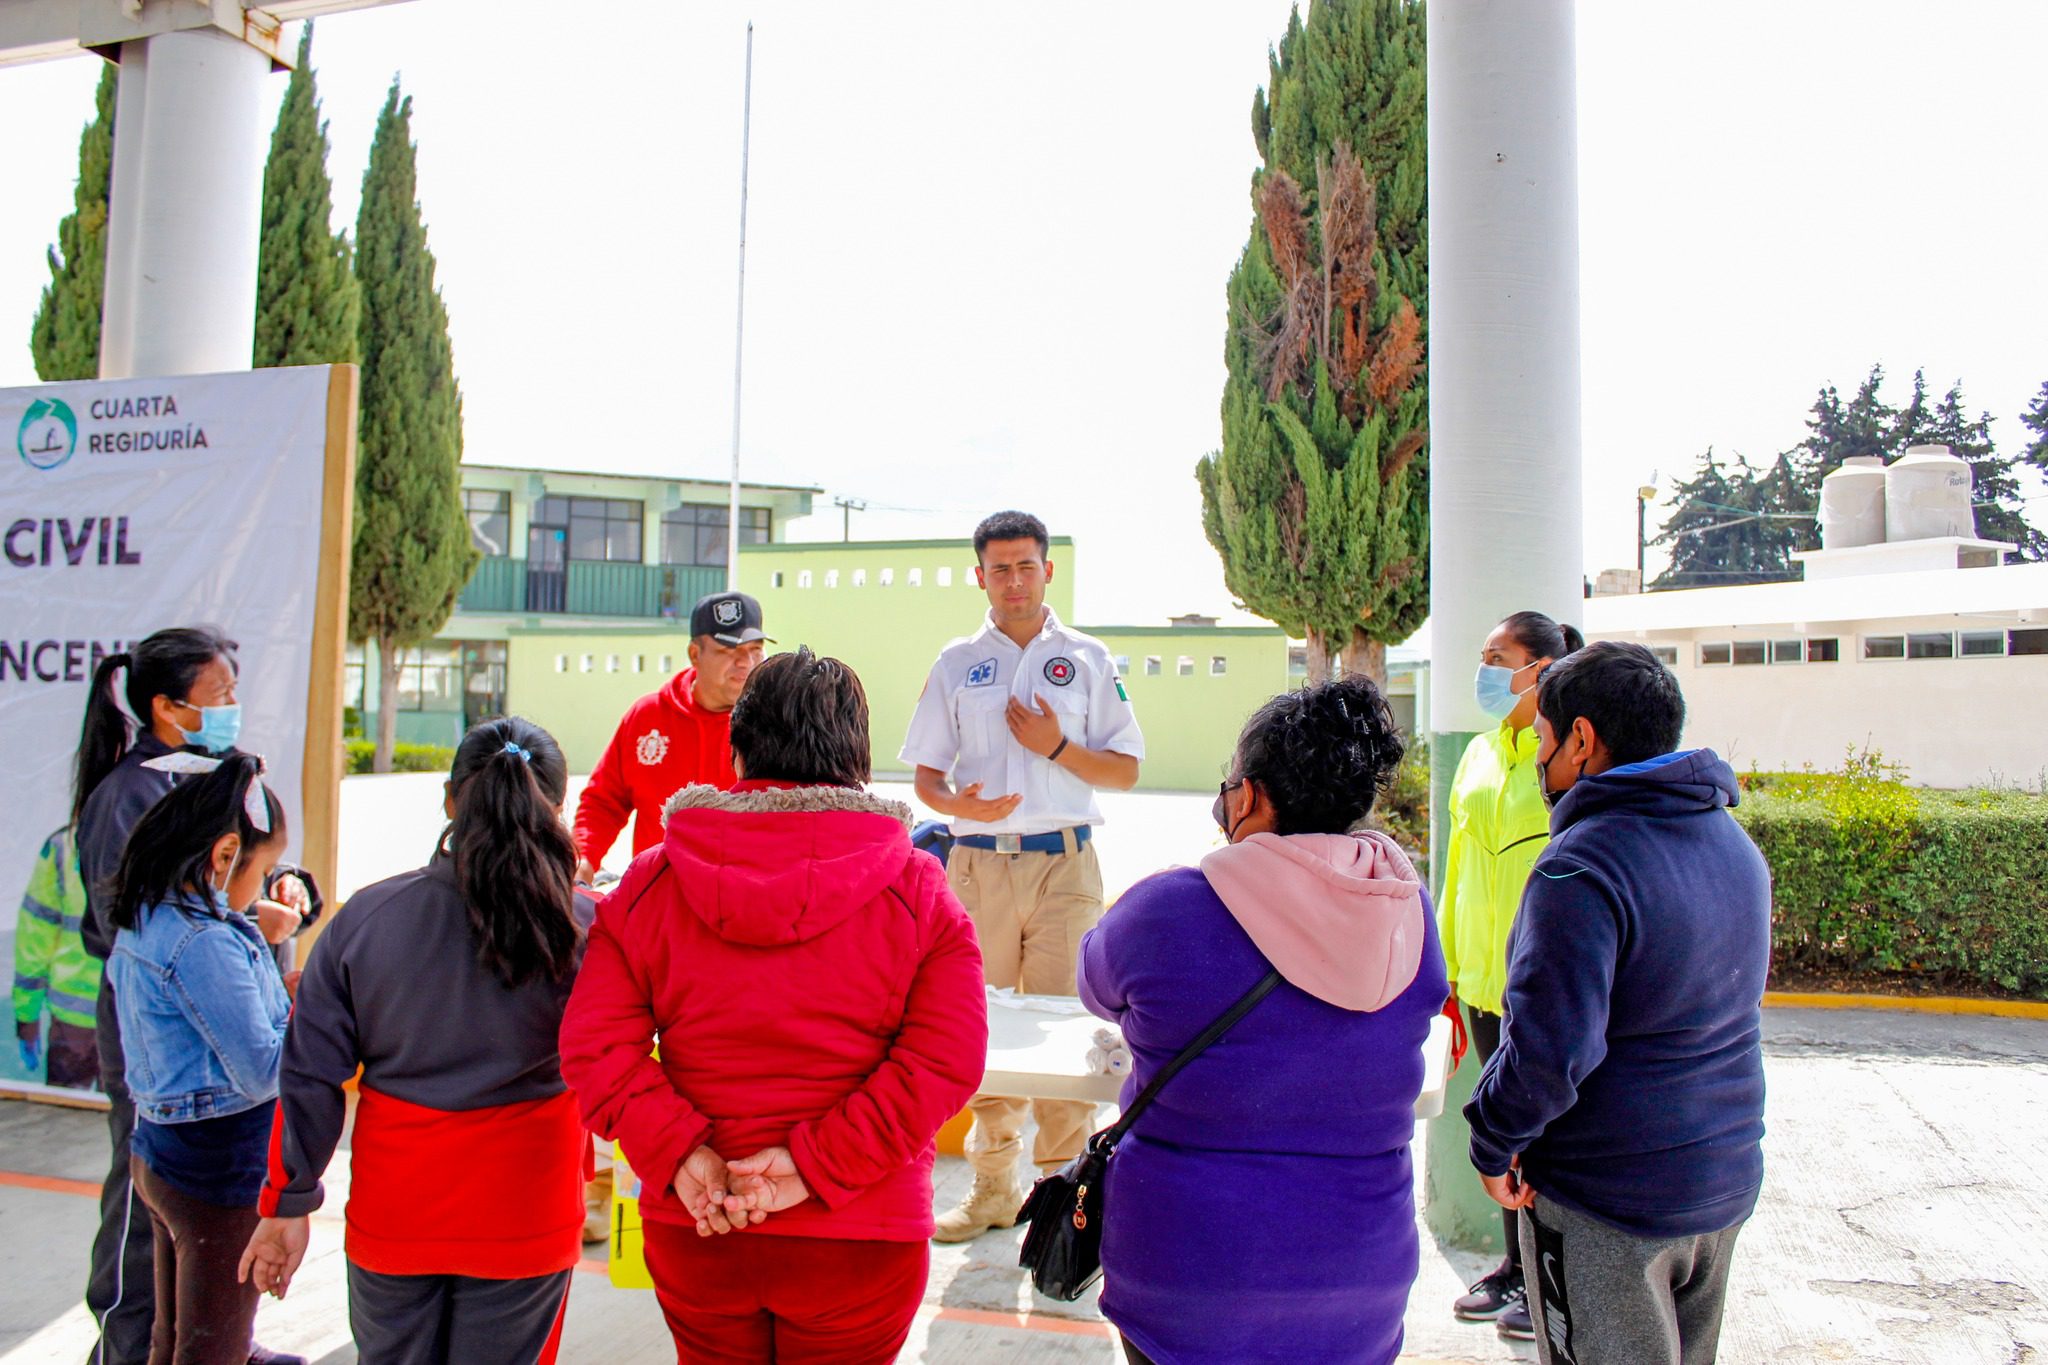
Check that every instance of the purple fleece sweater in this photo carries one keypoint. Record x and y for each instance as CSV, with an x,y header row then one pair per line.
x,y
1263,1207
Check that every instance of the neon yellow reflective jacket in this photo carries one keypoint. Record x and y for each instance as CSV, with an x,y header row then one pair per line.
x,y
1499,825
51,965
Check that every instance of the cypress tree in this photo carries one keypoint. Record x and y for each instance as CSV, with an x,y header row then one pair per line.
x,y
1317,502
412,546
308,308
1995,487
65,337
2035,419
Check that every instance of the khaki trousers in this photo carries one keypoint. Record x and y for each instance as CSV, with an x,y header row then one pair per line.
x,y
1029,911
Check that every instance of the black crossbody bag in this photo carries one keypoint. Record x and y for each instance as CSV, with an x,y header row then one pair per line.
x,y
1063,1243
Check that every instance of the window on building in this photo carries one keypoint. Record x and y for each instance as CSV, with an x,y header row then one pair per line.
x,y
639,663
1982,644
490,519
885,577
1218,665
1123,663
611,663
1716,653
803,578
668,664
1751,651
831,578
561,663
601,530
429,678
1666,655
589,662
1826,651
915,578
1184,667
1151,665
1884,646
1933,644
2026,642
695,532
860,578
945,577
775,579
1788,651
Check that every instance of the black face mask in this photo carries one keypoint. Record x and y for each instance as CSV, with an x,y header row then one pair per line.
x,y
1551,795
1220,815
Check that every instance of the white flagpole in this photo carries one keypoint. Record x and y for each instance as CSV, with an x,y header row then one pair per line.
x,y
732,534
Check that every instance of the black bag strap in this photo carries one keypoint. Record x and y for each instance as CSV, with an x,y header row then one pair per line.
x,y
1224,1022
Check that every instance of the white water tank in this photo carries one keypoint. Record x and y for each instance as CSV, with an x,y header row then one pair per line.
x,y
1852,504
1926,494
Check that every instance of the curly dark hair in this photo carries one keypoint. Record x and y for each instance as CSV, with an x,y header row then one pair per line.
x,y
1010,526
1321,755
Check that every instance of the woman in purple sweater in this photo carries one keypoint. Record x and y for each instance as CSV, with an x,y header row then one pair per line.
x,y
1263,1208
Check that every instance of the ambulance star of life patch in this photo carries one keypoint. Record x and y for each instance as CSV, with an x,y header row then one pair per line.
x,y
982,674
1060,671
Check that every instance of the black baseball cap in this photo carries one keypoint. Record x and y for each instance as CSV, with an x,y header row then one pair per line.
x,y
731,618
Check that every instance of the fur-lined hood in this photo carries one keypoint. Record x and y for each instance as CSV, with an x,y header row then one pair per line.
x,y
767,864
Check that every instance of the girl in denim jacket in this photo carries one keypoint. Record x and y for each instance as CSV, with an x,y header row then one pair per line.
x,y
202,1011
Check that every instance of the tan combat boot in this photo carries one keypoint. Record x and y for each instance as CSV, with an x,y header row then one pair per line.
x,y
992,1203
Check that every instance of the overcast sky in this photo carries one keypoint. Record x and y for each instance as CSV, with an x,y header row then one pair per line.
x,y
988,243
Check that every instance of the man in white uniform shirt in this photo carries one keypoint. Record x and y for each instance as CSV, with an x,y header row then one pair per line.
x,y
1028,717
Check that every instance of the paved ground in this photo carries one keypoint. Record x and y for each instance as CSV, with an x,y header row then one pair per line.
x,y
1901,1222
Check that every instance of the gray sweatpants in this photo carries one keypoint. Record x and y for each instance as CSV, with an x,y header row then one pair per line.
x,y
1601,1296
454,1319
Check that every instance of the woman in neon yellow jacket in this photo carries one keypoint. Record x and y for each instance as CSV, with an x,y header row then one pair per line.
x,y
1499,825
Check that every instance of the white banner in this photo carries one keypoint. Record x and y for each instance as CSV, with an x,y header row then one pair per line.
x,y
131,505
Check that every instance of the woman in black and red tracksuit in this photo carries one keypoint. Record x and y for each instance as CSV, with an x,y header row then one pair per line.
x,y
446,985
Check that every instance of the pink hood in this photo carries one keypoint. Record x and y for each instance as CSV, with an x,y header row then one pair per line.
x,y
1340,915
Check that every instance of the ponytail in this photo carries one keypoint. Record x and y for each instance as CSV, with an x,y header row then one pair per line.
x,y
514,860
105,735
165,664
1543,637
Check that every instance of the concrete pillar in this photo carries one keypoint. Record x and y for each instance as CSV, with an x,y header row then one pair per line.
x,y
187,204
1505,516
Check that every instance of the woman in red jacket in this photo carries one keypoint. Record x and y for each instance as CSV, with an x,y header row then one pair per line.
x,y
817,993
446,985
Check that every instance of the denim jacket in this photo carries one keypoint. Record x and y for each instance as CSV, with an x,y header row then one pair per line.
x,y
202,1011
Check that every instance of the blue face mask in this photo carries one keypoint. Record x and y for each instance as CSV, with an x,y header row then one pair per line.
x,y
1494,688
219,728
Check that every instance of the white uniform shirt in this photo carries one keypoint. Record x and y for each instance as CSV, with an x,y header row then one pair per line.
x,y
959,724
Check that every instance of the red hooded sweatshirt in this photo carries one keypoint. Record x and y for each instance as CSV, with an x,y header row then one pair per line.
x,y
813,983
665,743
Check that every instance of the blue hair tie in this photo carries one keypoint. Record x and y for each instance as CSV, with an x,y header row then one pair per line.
x,y
525,755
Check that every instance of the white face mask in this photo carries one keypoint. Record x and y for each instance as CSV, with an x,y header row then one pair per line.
x,y
220,893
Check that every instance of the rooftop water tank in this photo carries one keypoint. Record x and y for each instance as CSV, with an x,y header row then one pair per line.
x,y
1927,494
1852,504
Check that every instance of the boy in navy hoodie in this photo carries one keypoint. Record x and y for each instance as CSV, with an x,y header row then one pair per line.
x,y
1624,1110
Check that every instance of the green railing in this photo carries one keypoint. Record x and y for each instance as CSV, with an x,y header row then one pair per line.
x,y
643,591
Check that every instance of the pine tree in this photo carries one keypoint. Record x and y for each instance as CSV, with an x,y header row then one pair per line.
x,y
2035,419
412,546
308,307
1729,526
1318,501
65,337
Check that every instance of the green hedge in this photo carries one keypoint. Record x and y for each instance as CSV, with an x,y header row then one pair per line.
x,y
405,758
1870,875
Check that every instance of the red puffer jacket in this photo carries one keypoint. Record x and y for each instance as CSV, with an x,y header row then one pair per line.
x,y
812,982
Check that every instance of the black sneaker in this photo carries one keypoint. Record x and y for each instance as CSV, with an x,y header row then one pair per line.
x,y
1515,1324
1491,1296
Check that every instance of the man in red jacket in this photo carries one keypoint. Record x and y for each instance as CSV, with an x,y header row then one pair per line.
x,y
675,737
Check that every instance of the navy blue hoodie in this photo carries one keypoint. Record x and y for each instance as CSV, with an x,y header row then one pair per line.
x,y
1630,1075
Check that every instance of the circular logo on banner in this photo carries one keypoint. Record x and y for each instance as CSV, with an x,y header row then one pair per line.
x,y
726,612
48,434
1059,672
653,748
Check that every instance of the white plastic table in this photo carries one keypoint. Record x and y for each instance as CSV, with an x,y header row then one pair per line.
x,y
1037,1049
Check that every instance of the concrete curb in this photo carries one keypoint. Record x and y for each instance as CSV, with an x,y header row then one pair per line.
x,y
1912,1004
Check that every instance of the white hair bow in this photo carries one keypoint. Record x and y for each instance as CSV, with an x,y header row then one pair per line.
x,y
180,763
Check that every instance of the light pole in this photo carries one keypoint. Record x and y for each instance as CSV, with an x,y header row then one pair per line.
x,y
1645,495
